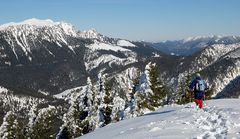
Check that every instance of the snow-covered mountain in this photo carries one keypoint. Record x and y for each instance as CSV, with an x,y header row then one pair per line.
x,y
60,54
218,119
193,44
51,70
50,57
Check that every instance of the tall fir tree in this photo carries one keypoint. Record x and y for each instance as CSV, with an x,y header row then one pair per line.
x,y
80,120
92,106
157,86
32,116
8,127
74,119
89,95
108,100
86,109
135,81
96,114
42,126
19,129
184,94
131,110
99,101
144,93
118,108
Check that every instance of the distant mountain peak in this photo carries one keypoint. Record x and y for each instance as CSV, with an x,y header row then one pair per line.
x,y
191,45
189,39
67,28
39,22
32,21
92,31
91,34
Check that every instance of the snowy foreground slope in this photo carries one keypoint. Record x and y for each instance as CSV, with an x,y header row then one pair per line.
x,y
218,119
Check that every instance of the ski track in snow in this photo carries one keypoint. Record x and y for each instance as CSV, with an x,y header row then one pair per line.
x,y
216,120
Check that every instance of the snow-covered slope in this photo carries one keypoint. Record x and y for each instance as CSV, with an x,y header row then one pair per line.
x,y
125,43
218,119
94,58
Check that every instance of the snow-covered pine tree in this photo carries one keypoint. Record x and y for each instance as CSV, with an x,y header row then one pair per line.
x,y
10,128
118,108
144,92
32,114
89,95
19,129
99,100
157,86
86,109
130,110
135,86
143,102
184,95
181,93
70,126
108,101
79,120
74,119
42,126
93,105
96,116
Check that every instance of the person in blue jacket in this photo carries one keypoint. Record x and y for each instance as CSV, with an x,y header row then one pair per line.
x,y
198,86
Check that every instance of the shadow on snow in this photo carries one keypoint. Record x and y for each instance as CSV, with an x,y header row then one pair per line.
x,y
157,113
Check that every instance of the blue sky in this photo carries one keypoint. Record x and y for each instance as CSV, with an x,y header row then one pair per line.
x,y
150,20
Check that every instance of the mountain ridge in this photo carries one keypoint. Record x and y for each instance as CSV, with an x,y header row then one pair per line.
x,y
193,45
